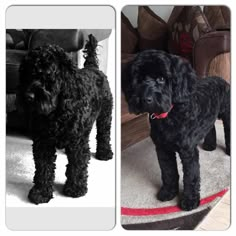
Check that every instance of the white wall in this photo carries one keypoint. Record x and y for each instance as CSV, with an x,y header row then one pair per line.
x,y
132,12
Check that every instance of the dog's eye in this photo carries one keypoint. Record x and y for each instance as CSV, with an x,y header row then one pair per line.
x,y
160,80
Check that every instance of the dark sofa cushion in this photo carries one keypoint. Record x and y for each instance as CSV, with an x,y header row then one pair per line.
x,y
129,36
188,27
16,39
218,17
152,29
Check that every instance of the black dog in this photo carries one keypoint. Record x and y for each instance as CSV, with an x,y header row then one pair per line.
x,y
183,110
64,103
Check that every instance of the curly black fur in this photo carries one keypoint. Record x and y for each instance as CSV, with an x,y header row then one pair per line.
x,y
154,82
64,103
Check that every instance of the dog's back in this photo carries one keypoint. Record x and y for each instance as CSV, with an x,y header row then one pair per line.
x,y
214,83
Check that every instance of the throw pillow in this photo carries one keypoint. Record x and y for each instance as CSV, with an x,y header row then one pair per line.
x,y
15,39
218,17
188,27
152,29
129,36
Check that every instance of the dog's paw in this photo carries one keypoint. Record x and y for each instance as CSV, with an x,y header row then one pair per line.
x,y
40,195
74,190
188,204
227,151
165,195
209,147
104,155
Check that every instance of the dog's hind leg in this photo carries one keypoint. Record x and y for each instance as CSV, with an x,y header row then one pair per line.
x,y
44,159
169,174
225,116
209,143
103,124
191,169
78,155
226,122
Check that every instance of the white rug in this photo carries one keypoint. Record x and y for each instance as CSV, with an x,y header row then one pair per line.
x,y
20,172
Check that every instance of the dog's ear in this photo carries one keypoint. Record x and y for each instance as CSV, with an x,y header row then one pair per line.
x,y
19,102
128,83
127,80
183,79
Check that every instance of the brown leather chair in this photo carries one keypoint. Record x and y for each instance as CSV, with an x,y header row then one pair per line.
x,y
211,55
215,46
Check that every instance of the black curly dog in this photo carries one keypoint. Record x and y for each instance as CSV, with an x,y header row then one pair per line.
x,y
64,103
183,110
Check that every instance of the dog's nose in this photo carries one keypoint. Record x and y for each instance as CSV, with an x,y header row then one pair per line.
x,y
29,97
148,100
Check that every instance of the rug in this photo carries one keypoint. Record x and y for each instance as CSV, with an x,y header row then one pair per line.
x,y
141,179
20,171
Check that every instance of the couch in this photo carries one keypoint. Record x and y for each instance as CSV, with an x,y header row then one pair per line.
x,y
201,36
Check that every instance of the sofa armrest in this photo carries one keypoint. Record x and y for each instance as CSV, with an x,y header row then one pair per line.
x,y
70,39
207,48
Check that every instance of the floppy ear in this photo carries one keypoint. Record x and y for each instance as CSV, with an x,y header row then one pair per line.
x,y
21,86
128,84
184,79
128,79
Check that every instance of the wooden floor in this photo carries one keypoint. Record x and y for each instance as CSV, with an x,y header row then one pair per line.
x,y
219,216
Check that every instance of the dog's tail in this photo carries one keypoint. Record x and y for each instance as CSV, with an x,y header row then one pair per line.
x,y
90,52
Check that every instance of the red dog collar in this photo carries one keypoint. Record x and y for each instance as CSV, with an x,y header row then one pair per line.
x,y
154,116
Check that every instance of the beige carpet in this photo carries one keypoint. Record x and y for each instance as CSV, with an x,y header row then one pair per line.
x,y
141,179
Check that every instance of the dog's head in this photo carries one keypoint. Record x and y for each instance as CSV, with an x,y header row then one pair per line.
x,y
42,74
156,80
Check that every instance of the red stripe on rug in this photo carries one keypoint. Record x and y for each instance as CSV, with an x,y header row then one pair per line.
x,y
165,210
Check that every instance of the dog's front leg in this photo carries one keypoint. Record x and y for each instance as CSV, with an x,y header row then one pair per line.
x,y
78,157
44,159
191,169
169,174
